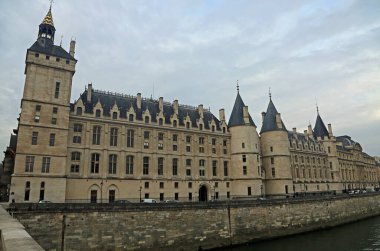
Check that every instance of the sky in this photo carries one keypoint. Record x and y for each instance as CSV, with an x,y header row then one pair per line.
x,y
307,52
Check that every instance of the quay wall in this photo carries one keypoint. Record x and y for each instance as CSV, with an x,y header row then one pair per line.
x,y
186,226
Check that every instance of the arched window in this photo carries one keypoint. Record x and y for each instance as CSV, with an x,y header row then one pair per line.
x,y
42,190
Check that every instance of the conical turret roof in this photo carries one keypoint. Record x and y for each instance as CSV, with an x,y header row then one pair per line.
x,y
269,122
237,117
48,19
320,129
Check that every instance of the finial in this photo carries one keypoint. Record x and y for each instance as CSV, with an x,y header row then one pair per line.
x,y
60,44
316,104
270,94
237,85
51,2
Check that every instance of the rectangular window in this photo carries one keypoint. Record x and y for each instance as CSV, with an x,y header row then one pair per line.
x,y
224,142
96,133
74,168
244,158
188,139
161,196
52,139
77,139
213,141
161,185
190,196
29,163
201,149
160,169
272,160
111,196
175,166
146,145
249,190
55,110
175,184
188,172
188,162
38,108
146,185
130,137
146,134
228,195
53,121
175,148
188,149
78,127
160,146
34,138
214,167
175,136
57,85
160,136
274,172
145,165
225,168
112,164
190,185
244,170
94,196
201,140
176,196
45,164
214,150
95,160
129,164
113,136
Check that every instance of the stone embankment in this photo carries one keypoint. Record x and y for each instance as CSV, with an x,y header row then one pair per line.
x,y
186,226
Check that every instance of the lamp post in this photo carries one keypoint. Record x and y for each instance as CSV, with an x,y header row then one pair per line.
x,y
101,192
140,193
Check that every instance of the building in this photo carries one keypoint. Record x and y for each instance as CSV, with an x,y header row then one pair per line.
x,y
6,168
107,146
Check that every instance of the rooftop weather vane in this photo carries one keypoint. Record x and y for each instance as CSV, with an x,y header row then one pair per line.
x,y
316,104
270,94
237,85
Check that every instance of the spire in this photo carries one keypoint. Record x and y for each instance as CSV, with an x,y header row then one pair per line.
x,y
272,119
48,18
237,86
46,30
320,129
237,117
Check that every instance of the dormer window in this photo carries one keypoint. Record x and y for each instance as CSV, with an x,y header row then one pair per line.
x,y
201,127
187,125
160,121
97,113
146,119
79,110
175,123
130,117
114,115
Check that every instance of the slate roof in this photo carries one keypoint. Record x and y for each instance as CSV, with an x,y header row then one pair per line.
x,y
269,123
347,142
52,50
125,102
301,138
320,129
236,117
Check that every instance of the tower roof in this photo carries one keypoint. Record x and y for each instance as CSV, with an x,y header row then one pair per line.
x,y
269,120
237,117
320,129
48,18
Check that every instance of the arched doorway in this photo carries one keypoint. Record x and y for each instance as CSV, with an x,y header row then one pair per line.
x,y
203,193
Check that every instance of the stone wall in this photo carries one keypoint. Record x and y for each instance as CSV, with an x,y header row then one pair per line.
x,y
186,226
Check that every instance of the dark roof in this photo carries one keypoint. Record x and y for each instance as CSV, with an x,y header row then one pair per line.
x,y
13,141
52,50
236,117
348,143
301,138
125,102
269,122
320,129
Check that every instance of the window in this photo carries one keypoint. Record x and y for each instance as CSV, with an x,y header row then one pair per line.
x,y
188,172
45,164
160,136
57,59
272,160
112,164
225,168
190,185
224,142
271,148
37,55
42,190
94,195
190,196
78,127
244,170
228,193
145,165
130,137
75,159
129,164
160,146
97,113
213,141
79,110
34,138
224,151
176,196
187,125
214,150
244,158
111,196
175,166
201,167
160,170
114,115
188,149
174,123
160,121
213,128
146,119
329,149
175,137
146,195
242,145
175,184
175,148
146,134
95,160
146,185
201,140
188,162
249,190
29,163
96,135
162,185
188,139
37,118
228,184
74,168
53,121
146,145
201,149
130,117
27,191
216,184
52,139
67,61
113,136
201,127
55,110
77,139
57,85
214,167
38,108
274,172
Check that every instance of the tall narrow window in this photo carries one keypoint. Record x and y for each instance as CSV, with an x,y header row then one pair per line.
x,y
52,139
34,138
112,163
56,94
94,195
145,165
95,157
175,166
146,119
249,190
160,121
160,163
214,167
42,190
96,135
114,115
130,117
129,164
29,163
202,167
111,196
45,164
130,137
79,110
75,161
97,113
27,191
225,168
113,136
274,172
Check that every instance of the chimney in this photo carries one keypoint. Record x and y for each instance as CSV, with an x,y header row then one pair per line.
x,y
200,111
309,130
245,114
175,106
278,120
89,92
161,104
294,130
330,130
305,133
222,116
138,100
263,116
72,48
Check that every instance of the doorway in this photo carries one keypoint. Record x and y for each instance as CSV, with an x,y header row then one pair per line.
x,y
203,193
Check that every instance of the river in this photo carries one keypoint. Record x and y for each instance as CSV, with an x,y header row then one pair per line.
x,y
359,236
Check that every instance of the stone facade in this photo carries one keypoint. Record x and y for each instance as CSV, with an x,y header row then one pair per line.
x,y
108,146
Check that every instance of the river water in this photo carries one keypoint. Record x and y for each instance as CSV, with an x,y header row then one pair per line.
x,y
359,236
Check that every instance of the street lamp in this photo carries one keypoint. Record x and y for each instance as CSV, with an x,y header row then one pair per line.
x,y
140,193
101,192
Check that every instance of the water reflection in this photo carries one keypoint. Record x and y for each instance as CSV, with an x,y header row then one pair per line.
x,y
360,236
